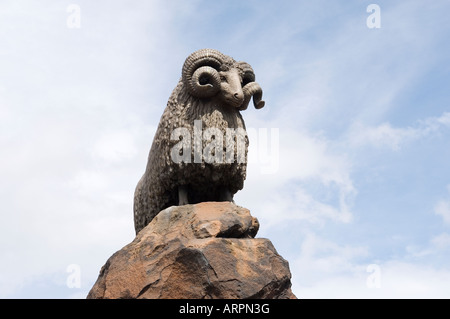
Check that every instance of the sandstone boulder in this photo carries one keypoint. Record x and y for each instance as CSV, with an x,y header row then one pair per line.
x,y
205,250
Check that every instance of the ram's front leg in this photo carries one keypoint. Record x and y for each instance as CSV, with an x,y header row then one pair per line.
x,y
183,195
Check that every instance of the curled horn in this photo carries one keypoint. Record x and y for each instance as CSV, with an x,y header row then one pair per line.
x,y
200,73
250,88
253,89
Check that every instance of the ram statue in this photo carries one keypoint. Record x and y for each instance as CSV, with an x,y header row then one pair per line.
x,y
200,146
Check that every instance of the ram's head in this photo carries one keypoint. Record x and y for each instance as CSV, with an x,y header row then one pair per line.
x,y
208,73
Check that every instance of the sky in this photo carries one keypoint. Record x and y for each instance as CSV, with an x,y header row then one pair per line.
x,y
349,160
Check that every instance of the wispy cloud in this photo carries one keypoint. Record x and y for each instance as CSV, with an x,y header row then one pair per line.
x,y
73,137
442,208
398,280
342,271
313,183
387,136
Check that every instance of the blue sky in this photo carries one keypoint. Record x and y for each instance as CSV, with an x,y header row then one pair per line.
x,y
363,117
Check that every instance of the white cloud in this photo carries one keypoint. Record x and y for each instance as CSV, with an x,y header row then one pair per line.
x,y
327,257
383,135
398,280
73,135
407,280
436,246
386,136
442,208
444,119
326,269
363,77
442,241
115,146
312,183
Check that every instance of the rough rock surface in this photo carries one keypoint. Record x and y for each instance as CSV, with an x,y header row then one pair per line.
x,y
206,250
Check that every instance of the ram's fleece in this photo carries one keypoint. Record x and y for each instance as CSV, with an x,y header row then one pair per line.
x,y
213,88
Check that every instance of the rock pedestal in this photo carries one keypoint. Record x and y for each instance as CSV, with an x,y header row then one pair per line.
x,y
205,250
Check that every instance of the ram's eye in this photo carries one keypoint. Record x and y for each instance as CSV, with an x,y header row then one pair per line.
x,y
223,78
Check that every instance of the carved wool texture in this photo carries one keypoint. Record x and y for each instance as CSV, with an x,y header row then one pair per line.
x,y
217,108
